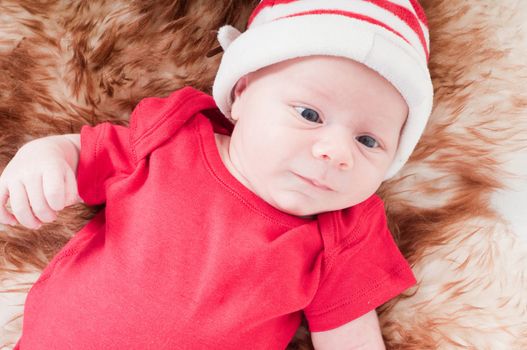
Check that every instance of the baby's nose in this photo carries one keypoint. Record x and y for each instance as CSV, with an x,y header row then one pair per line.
x,y
338,162
335,148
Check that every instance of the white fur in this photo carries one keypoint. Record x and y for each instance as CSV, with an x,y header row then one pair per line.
x,y
13,294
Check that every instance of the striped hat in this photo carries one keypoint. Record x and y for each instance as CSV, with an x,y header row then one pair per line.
x,y
388,36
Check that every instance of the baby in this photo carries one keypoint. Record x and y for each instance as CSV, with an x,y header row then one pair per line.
x,y
222,236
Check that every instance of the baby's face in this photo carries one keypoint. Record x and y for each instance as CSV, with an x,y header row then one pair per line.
x,y
314,134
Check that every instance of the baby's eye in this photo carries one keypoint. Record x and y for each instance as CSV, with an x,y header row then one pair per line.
x,y
309,114
368,141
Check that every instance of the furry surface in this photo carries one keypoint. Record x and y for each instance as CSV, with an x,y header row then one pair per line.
x,y
457,209
458,206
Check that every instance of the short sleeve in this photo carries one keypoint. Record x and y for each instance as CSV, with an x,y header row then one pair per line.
x,y
109,151
361,272
105,155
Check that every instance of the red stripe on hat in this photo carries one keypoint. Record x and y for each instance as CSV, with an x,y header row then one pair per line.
x,y
420,12
347,14
266,3
407,16
401,12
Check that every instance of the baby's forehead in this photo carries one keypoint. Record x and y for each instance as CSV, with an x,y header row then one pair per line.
x,y
329,71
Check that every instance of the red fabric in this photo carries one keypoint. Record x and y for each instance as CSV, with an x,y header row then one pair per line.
x,y
363,267
185,257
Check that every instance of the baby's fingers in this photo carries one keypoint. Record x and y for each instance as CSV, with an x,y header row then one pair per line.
x,y
38,202
5,216
72,193
53,185
20,205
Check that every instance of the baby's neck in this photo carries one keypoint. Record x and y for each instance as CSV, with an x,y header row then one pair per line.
x,y
223,142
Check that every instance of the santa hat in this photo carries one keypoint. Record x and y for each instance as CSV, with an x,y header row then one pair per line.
x,y
390,37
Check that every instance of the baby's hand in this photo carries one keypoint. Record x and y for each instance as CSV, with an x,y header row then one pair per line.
x,y
39,181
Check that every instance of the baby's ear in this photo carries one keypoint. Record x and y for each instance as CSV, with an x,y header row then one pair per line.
x,y
240,87
238,90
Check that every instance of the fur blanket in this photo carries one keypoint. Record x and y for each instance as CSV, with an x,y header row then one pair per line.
x,y
457,209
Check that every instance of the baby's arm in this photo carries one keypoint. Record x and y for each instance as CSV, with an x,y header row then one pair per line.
x,y
40,180
363,333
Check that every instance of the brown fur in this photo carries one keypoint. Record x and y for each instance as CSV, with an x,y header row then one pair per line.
x,y
463,253
65,64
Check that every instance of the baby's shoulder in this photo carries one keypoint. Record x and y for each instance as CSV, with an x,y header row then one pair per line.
x,y
157,119
359,214
174,110
340,227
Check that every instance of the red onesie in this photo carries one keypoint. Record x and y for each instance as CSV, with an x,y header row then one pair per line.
x,y
185,257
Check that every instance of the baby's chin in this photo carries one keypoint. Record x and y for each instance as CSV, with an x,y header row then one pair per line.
x,y
307,213
292,206
304,208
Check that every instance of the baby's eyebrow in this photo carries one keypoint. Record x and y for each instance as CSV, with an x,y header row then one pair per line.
x,y
316,90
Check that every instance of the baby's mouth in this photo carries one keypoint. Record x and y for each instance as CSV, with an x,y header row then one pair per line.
x,y
315,183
